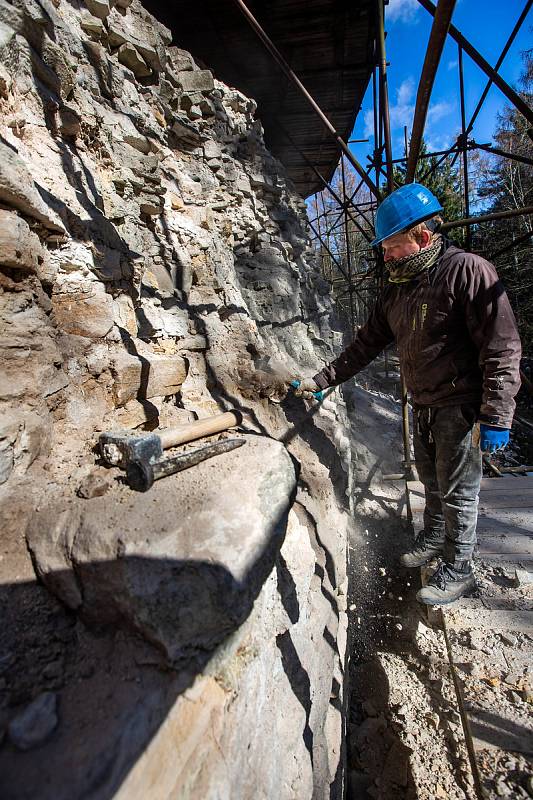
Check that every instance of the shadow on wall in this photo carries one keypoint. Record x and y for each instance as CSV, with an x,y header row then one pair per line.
x,y
85,693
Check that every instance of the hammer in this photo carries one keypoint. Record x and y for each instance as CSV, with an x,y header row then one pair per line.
x,y
142,474
119,449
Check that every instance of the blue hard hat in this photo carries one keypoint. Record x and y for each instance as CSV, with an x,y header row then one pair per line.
x,y
407,206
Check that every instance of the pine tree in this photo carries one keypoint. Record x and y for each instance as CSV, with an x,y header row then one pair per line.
x,y
508,185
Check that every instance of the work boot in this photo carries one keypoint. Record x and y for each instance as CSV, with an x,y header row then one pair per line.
x,y
424,549
449,582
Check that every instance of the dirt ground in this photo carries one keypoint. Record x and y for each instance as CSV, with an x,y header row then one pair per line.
x,y
404,731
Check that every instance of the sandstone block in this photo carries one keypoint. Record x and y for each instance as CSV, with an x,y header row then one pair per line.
x,y
124,314
200,80
181,60
166,375
194,579
184,132
18,190
19,247
98,8
146,375
84,312
128,55
92,25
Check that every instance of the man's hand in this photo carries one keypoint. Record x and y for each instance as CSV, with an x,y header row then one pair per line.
x,y
492,438
306,388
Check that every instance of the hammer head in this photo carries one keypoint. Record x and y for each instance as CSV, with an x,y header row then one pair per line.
x,y
118,449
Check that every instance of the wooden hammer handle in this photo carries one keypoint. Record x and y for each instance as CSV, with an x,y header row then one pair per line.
x,y
202,427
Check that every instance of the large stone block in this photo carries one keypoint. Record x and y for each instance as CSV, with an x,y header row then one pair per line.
x,y
182,565
84,312
199,80
19,247
128,55
18,190
146,374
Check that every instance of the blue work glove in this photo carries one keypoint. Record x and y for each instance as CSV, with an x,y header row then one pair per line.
x,y
307,387
491,438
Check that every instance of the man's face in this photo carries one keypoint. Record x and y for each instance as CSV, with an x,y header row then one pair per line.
x,y
399,246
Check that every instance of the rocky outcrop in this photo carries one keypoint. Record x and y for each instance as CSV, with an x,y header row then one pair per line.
x,y
155,267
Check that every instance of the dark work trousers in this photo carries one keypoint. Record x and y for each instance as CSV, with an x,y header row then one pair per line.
x,y
450,468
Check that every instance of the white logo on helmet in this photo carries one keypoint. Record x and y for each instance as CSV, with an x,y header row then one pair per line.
x,y
423,198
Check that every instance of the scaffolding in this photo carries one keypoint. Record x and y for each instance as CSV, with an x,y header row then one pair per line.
x,y
342,218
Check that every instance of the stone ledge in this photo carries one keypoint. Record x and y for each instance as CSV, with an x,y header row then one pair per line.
x,y
181,564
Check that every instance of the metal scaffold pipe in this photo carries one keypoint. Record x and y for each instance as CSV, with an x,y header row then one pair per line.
x,y
499,62
476,56
462,223
437,37
282,63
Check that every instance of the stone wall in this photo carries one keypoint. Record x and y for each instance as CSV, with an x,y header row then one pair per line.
x,y
155,268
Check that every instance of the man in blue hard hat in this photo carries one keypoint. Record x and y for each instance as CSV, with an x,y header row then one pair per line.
x,y
459,350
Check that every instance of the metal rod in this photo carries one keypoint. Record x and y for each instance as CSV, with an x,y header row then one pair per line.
x,y
505,154
282,63
468,240
437,38
498,64
375,110
476,56
324,245
515,212
348,253
324,181
384,95
437,164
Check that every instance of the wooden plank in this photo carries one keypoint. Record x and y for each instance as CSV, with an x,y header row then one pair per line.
x,y
505,500
500,559
519,620
488,526
505,545
507,482
487,496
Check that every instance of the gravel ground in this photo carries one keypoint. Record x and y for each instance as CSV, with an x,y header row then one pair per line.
x,y
405,737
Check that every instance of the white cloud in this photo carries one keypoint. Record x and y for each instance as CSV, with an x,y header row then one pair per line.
x,y
401,10
369,123
437,111
401,112
452,64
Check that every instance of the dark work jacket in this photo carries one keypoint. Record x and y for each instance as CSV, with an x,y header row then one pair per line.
x,y
456,335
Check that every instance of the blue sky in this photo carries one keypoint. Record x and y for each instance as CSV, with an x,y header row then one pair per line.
x,y
487,24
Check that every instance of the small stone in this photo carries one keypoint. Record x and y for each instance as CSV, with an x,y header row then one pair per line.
x,y
94,485
515,697
513,678
35,724
508,639
502,789
522,577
